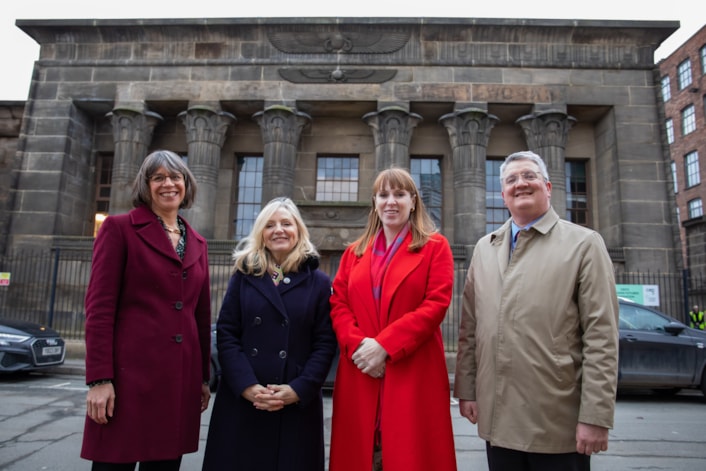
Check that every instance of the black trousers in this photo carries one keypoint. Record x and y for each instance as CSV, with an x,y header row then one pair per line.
x,y
504,459
165,465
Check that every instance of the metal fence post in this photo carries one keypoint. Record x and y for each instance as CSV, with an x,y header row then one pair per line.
x,y
52,296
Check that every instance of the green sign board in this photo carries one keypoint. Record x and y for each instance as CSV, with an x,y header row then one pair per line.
x,y
641,294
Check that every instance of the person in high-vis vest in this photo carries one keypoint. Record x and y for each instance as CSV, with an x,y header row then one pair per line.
x,y
696,319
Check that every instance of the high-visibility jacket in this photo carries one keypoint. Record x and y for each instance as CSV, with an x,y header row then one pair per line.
x,y
696,320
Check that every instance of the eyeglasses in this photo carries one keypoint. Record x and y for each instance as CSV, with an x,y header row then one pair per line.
x,y
528,176
159,178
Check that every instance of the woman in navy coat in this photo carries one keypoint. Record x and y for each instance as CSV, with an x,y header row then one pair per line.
x,y
148,315
275,346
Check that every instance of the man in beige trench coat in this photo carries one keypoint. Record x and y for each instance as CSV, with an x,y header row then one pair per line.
x,y
538,345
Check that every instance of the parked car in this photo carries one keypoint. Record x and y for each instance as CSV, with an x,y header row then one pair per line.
x,y
216,366
658,352
26,346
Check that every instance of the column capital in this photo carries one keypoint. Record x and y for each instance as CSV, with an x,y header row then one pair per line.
x,y
549,128
392,125
206,124
469,126
281,123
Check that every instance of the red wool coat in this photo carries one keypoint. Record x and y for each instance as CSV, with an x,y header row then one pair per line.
x,y
414,393
148,318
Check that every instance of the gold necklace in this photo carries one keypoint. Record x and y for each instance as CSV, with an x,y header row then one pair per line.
x,y
172,230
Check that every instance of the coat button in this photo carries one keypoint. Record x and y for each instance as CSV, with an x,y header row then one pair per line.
x,y
178,338
183,275
178,305
285,323
253,352
282,354
257,321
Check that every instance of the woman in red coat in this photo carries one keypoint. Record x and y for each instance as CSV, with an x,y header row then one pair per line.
x,y
148,315
391,399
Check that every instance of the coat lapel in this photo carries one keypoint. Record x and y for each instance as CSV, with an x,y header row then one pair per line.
x,y
150,231
273,294
402,264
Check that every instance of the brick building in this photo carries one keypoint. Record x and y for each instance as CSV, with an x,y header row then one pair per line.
x,y
312,108
683,91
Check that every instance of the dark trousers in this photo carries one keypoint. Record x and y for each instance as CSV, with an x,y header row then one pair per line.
x,y
503,459
165,465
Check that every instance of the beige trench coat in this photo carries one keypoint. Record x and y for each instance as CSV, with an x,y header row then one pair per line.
x,y
538,343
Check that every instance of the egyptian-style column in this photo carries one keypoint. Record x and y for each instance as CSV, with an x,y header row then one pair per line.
x,y
281,128
206,129
546,133
132,134
392,132
469,132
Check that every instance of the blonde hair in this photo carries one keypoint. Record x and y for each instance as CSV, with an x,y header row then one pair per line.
x,y
421,224
253,258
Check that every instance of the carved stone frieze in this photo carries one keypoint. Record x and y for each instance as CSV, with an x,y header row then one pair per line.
x,y
358,40
337,75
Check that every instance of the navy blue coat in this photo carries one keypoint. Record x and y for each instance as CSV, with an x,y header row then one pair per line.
x,y
269,334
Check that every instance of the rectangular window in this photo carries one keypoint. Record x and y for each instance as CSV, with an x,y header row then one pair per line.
x,y
104,178
495,211
666,90
693,173
688,120
248,194
684,74
427,175
669,125
696,208
576,193
702,54
337,179
674,177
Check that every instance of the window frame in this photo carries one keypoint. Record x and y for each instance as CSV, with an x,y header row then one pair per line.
x,y
245,196
688,120
692,169
327,189
684,76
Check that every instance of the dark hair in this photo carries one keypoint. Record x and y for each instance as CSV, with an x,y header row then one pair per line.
x,y
173,163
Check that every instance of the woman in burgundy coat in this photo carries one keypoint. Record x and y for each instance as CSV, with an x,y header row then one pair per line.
x,y
391,398
275,346
148,327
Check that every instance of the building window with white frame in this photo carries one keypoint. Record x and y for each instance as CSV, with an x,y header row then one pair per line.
x,y
693,172
666,89
696,208
337,178
426,172
688,120
702,54
674,177
576,192
684,74
248,194
669,125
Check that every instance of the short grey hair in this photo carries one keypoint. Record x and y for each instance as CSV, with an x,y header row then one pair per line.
x,y
173,163
525,155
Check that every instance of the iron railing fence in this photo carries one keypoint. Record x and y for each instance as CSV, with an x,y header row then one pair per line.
x,y
49,287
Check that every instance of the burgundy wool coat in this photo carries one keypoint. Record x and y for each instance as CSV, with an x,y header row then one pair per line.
x,y
414,393
148,317
271,334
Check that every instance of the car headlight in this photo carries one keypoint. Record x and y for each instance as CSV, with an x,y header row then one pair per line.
x,y
7,339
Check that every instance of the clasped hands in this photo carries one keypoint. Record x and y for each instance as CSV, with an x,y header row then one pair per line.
x,y
370,358
272,397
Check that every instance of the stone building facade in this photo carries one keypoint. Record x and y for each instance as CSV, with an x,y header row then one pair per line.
x,y
281,99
